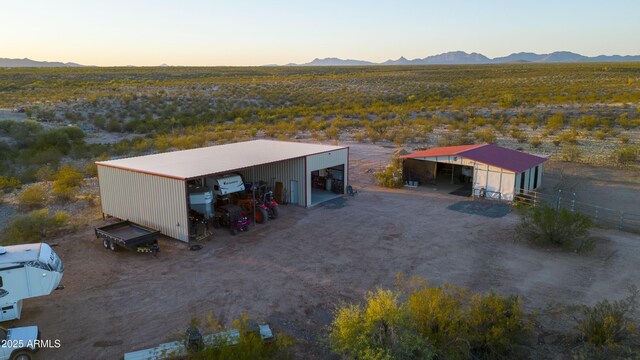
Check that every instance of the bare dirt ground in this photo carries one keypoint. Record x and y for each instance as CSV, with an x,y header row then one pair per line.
x,y
617,189
293,271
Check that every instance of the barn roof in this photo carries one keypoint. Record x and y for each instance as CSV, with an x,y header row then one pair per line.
x,y
194,163
494,155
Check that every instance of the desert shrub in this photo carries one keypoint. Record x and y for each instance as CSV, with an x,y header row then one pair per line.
x,y
546,226
45,173
626,155
391,175
486,135
67,181
91,169
34,226
568,137
610,323
518,134
535,141
555,122
332,133
8,183
381,329
571,153
250,345
463,325
445,322
34,195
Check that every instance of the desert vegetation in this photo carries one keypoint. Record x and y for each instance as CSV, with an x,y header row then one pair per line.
x,y
575,112
420,321
547,226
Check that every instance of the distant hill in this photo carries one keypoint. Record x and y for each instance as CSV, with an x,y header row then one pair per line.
x,y
4,62
335,62
463,58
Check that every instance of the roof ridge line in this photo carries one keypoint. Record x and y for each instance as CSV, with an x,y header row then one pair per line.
x,y
475,146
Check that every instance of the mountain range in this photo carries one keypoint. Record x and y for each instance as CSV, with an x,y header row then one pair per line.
x,y
461,57
448,58
4,62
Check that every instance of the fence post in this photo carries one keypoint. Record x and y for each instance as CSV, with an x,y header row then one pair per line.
x,y
573,205
558,204
596,215
621,226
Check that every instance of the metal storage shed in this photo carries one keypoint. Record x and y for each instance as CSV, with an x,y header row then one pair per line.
x,y
152,190
493,171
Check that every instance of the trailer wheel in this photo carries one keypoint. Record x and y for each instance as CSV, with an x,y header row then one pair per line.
x,y
105,243
22,355
113,246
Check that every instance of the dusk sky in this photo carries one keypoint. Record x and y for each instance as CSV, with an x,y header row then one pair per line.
x,y
193,32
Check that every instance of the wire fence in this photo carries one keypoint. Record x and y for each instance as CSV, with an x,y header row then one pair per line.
x,y
603,216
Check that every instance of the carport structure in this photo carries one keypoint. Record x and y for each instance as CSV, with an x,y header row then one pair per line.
x,y
153,190
484,170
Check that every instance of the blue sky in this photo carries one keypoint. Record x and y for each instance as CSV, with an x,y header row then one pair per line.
x,y
217,32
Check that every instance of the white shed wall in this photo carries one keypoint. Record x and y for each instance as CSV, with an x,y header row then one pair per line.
x,y
153,201
497,181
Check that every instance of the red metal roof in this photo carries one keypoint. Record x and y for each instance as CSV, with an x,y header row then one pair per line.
x,y
441,151
494,155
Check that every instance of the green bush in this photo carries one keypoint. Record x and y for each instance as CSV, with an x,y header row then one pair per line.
x,y
34,227
34,195
381,329
391,175
626,155
546,226
571,153
486,135
445,322
535,141
462,325
8,183
609,327
67,181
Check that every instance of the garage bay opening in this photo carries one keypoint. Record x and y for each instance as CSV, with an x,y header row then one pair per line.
x,y
327,184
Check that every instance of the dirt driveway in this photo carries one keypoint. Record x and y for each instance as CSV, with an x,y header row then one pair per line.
x,y
293,271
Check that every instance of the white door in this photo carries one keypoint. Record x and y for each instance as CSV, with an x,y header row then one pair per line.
x,y
293,185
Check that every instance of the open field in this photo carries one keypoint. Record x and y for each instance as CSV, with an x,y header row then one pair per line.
x,y
293,271
578,112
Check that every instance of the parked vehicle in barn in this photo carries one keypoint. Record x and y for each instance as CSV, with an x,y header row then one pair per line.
x,y
273,210
233,217
226,185
128,235
26,271
19,343
261,211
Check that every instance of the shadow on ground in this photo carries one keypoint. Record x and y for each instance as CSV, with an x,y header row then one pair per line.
x,y
482,208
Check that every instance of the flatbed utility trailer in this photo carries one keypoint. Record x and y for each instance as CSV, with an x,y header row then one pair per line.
x,y
176,349
129,235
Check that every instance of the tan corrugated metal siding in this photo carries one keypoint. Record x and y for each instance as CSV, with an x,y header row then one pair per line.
x,y
153,201
327,160
283,171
